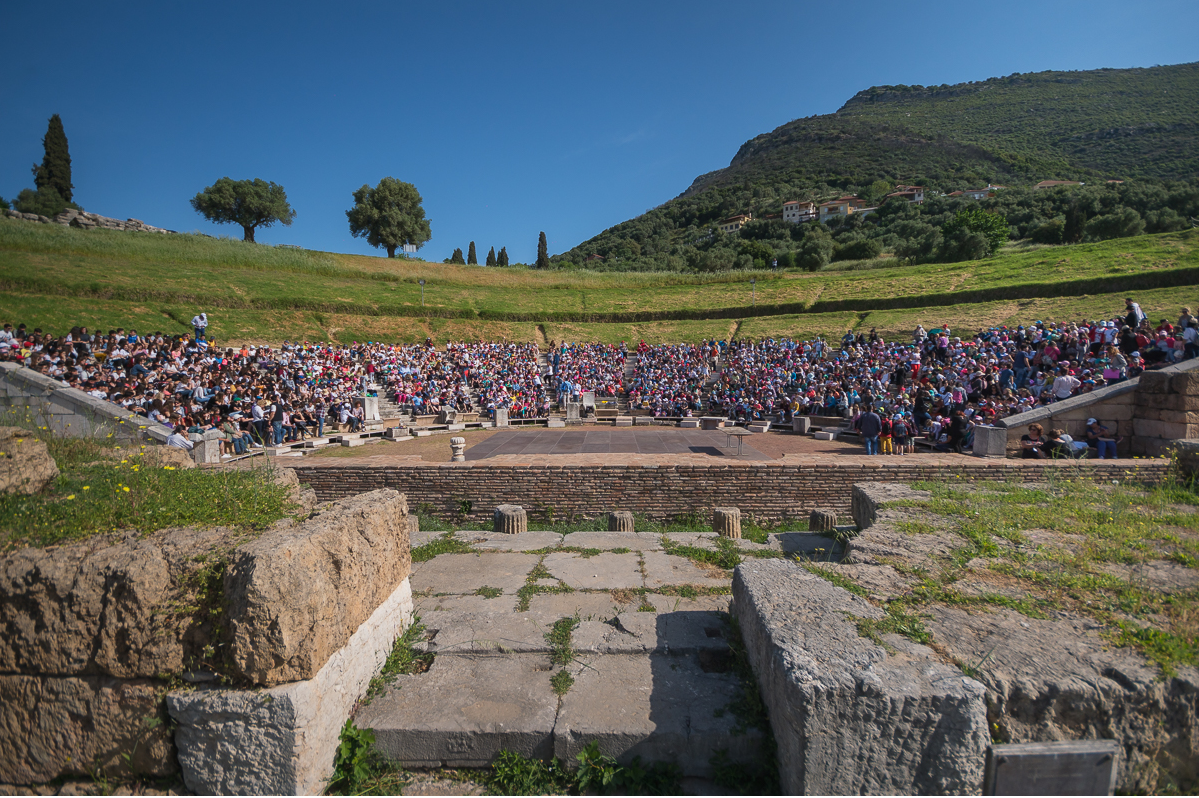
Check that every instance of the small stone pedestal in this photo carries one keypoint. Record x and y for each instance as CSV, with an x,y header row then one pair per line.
x,y
206,452
501,416
822,521
990,441
620,522
510,519
801,424
458,448
726,522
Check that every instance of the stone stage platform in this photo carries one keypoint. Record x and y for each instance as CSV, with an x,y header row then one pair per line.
x,y
664,441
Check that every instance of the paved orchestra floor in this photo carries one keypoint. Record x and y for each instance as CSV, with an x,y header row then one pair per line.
x,y
612,441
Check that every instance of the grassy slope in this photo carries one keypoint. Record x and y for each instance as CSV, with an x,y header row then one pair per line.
x,y
56,277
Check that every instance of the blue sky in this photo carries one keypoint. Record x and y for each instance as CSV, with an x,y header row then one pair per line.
x,y
510,118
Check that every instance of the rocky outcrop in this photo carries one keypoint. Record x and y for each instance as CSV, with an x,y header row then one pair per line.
x,y
89,221
25,464
296,595
850,716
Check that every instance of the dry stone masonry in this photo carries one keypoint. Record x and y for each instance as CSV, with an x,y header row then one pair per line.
x,y
88,221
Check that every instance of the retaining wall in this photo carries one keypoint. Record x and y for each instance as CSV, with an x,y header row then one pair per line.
x,y
770,492
70,411
1151,412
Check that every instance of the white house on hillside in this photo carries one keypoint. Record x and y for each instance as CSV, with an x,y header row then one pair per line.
x,y
835,209
796,211
913,194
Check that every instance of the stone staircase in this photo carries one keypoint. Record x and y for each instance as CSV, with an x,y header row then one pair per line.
x,y
542,650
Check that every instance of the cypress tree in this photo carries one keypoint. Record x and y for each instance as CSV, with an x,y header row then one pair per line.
x,y
502,258
471,258
543,252
457,256
491,257
55,169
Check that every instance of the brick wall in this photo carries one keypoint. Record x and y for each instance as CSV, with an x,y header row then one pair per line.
x,y
768,491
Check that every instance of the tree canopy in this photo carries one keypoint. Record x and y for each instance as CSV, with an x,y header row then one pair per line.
x,y
249,203
389,216
55,169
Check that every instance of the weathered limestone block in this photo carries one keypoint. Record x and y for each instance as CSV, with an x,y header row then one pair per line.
x,y
501,416
296,595
281,740
25,464
851,717
620,522
98,607
413,522
1188,456
1154,382
53,726
1186,385
510,519
869,499
990,441
726,522
801,424
822,520
207,452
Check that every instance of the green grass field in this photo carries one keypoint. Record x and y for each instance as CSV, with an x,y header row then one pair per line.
x,y
55,277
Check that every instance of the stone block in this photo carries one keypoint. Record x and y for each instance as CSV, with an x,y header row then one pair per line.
x,y
572,411
295,595
1186,384
689,423
553,422
669,711
26,466
281,741
624,421
851,717
510,519
501,417
990,441
711,422
484,705
351,442
871,498
801,424
54,726
207,452
824,436
643,421
1154,382
726,522
620,522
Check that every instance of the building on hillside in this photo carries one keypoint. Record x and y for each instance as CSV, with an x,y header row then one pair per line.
x,y
796,212
733,224
913,194
593,256
977,193
1055,184
844,206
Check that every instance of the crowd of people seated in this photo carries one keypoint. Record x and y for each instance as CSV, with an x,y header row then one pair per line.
x,y
588,368
935,384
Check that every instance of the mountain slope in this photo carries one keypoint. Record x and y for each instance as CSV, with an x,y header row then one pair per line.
x,y
1013,131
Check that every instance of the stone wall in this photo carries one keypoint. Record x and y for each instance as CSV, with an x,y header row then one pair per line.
x,y
88,221
70,411
1150,412
93,633
770,491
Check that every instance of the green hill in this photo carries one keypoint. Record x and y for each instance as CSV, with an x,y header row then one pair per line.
x,y
1137,125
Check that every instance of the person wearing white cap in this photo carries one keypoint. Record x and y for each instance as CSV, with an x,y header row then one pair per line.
x,y
1099,438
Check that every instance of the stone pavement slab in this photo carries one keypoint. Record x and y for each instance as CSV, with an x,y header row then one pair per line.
x,y
500,630
666,603
589,606
603,571
465,573
525,541
671,632
464,710
664,569
635,541
425,607
661,708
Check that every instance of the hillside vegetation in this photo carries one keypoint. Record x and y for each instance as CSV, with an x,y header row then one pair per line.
x,y
57,277
1136,125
